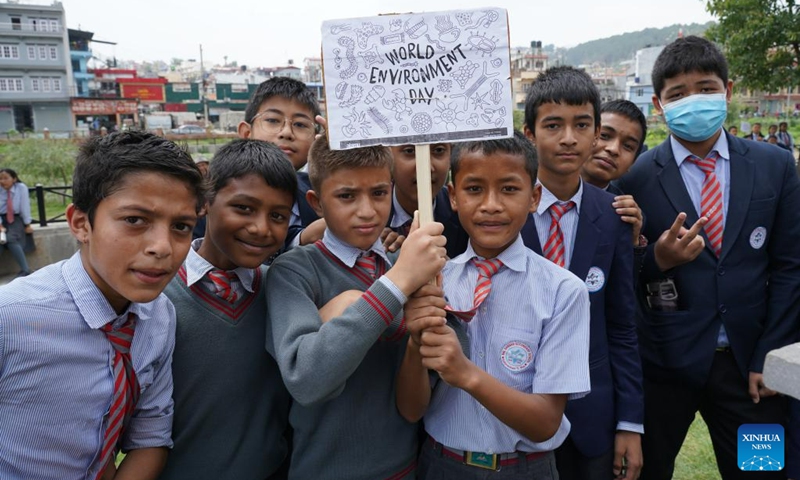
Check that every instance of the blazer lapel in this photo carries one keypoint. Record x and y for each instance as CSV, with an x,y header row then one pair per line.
x,y
587,235
672,183
742,171
530,236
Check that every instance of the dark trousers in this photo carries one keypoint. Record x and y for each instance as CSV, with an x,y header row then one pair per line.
x,y
724,405
573,465
434,465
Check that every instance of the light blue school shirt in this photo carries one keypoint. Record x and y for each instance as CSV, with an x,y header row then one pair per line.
x,y
21,200
56,374
568,222
531,333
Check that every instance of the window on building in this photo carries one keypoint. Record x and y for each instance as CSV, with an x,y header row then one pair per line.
x,y
640,92
10,84
239,88
42,52
45,84
53,53
16,23
56,84
54,27
181,87
35,84
31,52
9,52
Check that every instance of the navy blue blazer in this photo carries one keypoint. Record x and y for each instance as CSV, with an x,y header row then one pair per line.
x,y
457,238
603,242
753,288
307,214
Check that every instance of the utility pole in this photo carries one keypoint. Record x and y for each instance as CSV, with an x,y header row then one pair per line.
x,y
203,87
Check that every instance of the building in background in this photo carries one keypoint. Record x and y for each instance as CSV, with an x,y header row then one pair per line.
x,y
640,79
526,65
35,68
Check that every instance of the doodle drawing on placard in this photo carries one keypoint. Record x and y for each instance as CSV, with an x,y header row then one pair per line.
x,y
463,73
397,104
482,43
362,77
336,58
375,94
409,64
447,114
472,121
380,120
488,18
464,18
497,91
447,32
488,116
403,128
356,92
395,25
497,63
340,90
350,45
371,56
339,28
356,123
438,46
444,85
416,27
393,38
479,101
421,122
367,30
475,86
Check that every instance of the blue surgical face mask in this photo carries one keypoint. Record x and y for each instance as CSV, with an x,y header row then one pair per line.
x,y
697,117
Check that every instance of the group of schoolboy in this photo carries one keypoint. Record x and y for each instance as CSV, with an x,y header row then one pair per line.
x,y
508,325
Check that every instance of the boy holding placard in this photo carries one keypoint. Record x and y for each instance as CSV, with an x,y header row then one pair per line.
x,y
341,372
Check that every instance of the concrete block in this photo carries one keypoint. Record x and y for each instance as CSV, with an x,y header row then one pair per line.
x,y
782,370
53,243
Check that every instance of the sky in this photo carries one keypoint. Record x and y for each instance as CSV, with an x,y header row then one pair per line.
x,y
270,32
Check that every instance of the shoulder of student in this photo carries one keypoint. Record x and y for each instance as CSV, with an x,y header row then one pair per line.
x,y
43,286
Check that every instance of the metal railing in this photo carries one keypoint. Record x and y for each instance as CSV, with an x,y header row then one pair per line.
x,y
41,204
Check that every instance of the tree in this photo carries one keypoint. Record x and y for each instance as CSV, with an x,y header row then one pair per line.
x,y
761,40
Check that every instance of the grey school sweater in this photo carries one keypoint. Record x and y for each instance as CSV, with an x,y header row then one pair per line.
x,y
341,374
231,407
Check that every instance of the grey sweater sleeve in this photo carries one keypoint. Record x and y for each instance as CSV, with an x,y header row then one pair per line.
x,y
316,359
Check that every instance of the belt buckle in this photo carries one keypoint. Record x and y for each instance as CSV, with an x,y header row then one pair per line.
x,y
481,460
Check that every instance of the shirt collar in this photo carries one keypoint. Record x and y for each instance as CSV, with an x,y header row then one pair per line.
x,y
348,254
548,199
680,152
513,257
400,216
197,267
93,306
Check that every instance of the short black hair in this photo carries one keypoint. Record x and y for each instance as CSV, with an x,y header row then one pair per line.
x,y
283,87
783,124
324,162
516,145
561,85
103,163
687,55
242,157
629,110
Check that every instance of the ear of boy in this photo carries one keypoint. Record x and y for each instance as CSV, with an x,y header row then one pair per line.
x,y
78,223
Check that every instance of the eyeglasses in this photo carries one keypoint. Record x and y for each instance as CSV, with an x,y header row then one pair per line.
x,y
273,123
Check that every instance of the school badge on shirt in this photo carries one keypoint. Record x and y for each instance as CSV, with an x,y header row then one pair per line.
x,y
516,356
595,279
758,237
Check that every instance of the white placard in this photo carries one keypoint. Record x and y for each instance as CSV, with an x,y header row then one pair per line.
x,y
417,78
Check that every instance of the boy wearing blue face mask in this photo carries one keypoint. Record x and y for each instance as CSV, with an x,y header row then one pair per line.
x,y
720,285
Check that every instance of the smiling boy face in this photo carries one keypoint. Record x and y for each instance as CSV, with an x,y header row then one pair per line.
x,y
493,195
615,152
139,237
246,223
355,203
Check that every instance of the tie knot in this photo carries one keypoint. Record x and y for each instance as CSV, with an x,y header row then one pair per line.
x,y
488,267
558,209
121,339
707,164
223,281
368,262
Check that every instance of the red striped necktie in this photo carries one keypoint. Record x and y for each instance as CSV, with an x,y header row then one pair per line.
x,y
369,263
126,388
711,200
10,208
553,250
223,283
486,269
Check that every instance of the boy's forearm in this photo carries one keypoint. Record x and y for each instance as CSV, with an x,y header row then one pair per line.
x,y
142,464
413,385
536,416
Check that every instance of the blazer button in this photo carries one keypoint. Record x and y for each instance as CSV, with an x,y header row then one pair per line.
x,y
721,271
723,309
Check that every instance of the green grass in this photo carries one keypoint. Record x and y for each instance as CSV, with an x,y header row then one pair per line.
x,y
696,460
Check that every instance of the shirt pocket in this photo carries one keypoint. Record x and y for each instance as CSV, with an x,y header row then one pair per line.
x,y
512,358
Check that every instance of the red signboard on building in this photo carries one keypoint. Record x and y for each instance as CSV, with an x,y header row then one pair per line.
x,y
98,106
176,107
149,90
